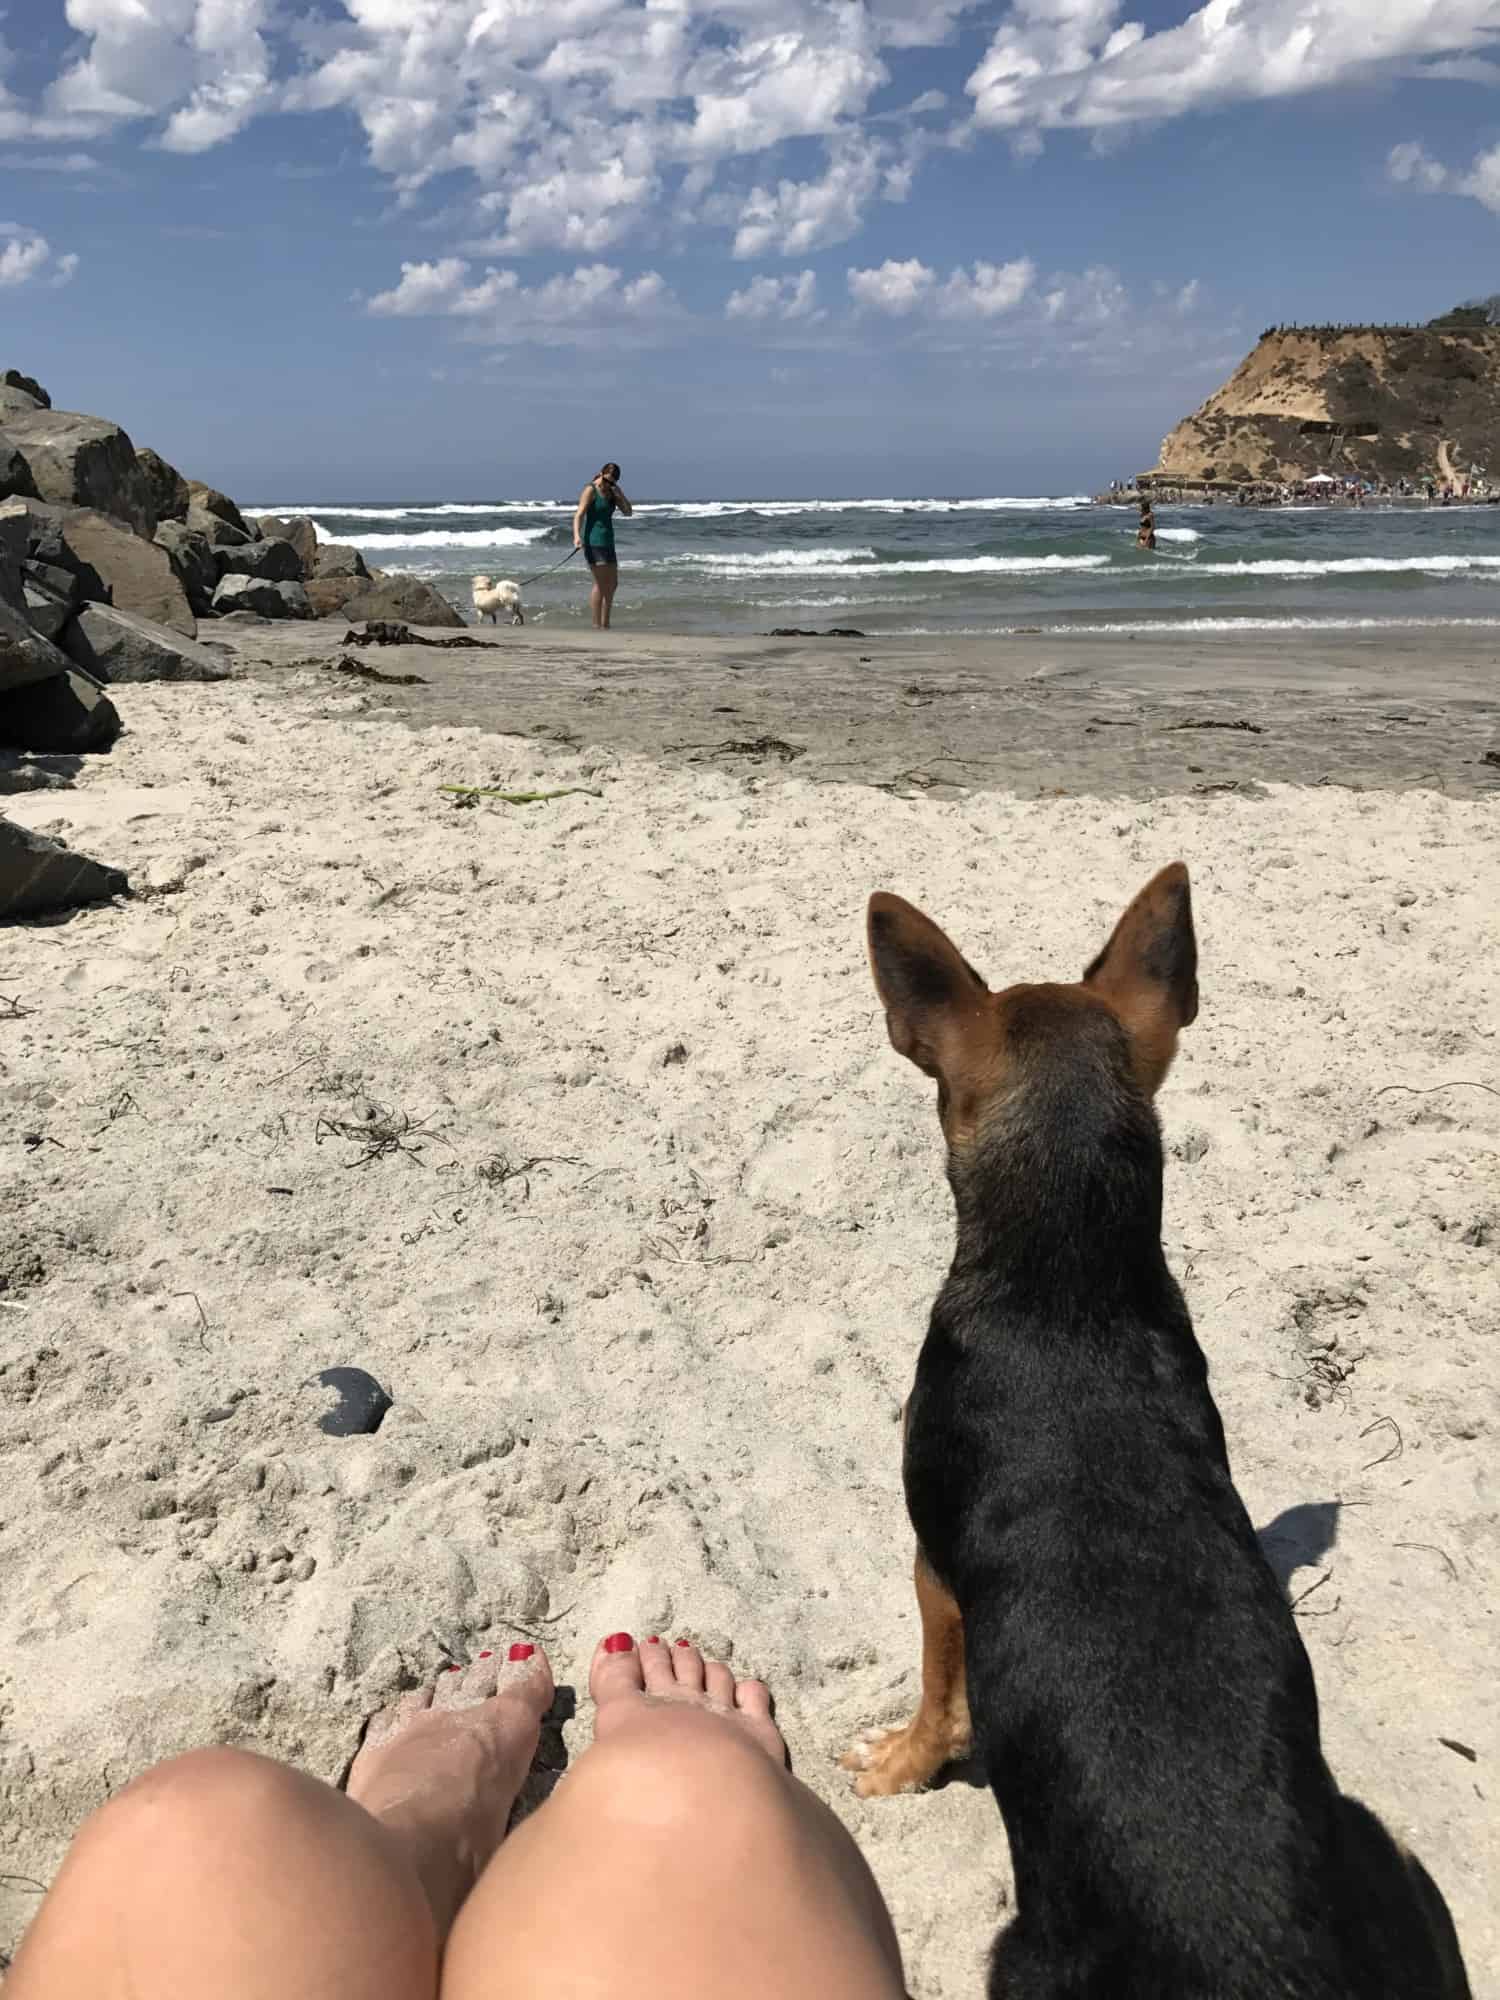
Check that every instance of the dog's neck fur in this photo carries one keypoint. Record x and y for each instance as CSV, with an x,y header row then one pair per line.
x,y
1058,1199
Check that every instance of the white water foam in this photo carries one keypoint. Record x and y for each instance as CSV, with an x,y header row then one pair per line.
x,y
863,563
686,509
1178,535
767,562
1334,566
440,538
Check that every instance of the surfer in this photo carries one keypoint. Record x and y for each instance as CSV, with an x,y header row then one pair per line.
x,y
1146,536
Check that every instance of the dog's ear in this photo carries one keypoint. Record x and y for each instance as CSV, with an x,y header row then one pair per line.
x,y
930,991
1148,972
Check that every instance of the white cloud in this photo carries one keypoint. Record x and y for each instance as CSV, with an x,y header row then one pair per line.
x,y
775,298
504,310
1078,63
27,258
48,163
797,217
984,292
1411,165
204,65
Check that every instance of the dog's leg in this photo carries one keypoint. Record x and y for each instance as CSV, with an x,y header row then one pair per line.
x,y
901,1760
518,618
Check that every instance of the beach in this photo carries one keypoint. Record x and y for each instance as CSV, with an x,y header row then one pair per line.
x,y
576,1125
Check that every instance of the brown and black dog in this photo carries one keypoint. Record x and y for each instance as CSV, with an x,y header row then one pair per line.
x,y
1091,1588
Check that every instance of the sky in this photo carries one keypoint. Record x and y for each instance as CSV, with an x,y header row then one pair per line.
x,y
399,249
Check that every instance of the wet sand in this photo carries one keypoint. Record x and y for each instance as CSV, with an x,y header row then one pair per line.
x,y
1111,714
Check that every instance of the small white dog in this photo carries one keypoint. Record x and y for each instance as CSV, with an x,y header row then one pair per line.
x,y
490,599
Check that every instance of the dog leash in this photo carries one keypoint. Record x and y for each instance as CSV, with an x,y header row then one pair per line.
x,y
523,581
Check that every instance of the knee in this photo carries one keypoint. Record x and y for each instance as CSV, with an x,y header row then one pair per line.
x,y
677,1767
218,1789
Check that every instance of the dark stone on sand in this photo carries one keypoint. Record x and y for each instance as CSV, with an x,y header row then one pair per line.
x,y
329,594
803,632
406,598
69,715
274,559
166,485
27,656
37,875
136,575
268,600
361,1405
116,645
298,530
191,555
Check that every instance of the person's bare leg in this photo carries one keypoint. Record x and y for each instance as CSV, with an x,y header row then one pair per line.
x,y
679,1858
223,1873
596,600
609,584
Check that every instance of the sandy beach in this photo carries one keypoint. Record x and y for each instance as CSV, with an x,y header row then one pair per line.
x,y
576,1125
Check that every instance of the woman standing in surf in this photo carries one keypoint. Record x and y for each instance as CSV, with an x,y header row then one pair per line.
x,y
594,533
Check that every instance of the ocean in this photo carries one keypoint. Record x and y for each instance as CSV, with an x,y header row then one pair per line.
x,y
955,565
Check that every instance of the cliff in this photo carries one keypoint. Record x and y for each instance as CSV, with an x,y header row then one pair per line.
x,y
1385,402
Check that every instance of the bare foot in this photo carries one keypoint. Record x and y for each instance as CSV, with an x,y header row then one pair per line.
x,y
626,1679
440,1769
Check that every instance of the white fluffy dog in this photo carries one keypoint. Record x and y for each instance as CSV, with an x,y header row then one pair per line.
x,y
490,599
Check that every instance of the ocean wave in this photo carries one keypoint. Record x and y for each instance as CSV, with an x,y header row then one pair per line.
x,y
440,538
689,510
416,512
1267,624
1296,566
1178,535
766,562
864,563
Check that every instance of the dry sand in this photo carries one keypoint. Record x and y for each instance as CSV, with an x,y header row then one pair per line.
x,y
648,1275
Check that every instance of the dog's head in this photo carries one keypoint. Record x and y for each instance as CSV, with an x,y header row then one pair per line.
x,y
480,583
1118,1025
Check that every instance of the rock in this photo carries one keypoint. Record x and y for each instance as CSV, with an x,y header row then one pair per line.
x,y
339,559
299,531
269,600
16,403
218,534
329,594
56,582
78,461
14,544
116,645
38,875
44,528
406,598
46,613
136,574
26,656
12,378
15,475
210,501
191,555
70,714
360,1406
166,485
274,560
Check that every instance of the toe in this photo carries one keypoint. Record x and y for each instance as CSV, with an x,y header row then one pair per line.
x,y
687,1665
448,1692
656,1665
389,1722
753,1698
525,1674
718,1683
615,1670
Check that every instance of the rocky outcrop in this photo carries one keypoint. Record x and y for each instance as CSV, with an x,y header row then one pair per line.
x,y
26,656
329,594
275,560
115,645
25,385
339,559
77,461
136,575
15,474
405,598
45,612
193,562
299,531
208,500
69,715
267,600
166,486
1381,402
38,875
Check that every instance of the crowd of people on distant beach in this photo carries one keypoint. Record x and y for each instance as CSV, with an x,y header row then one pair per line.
x,y
1320,489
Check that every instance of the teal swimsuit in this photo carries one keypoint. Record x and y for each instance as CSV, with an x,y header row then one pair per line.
x,y
599,529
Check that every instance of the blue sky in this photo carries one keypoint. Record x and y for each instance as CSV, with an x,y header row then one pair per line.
x,y
316,249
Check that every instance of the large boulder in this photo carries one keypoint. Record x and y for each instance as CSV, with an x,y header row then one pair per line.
x,y
137,575
237,592
13,548
27,385
46,541
115,645
59,582
166,485
405,598
208,500
70,714
44,612
339,559
274,560
37,875
299,531
329,594
78,461
217,533
15,474
192,558
26,656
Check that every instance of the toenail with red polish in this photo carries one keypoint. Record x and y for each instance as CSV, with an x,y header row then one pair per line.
x,y
654,1640
450,1670
520,1652
684,1642
485,1655
618,1642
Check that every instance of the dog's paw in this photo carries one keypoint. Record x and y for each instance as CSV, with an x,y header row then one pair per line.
x,y
890,1761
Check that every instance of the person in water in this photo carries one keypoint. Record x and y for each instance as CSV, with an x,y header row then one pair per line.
x,y
594,533
1146,537
678,1856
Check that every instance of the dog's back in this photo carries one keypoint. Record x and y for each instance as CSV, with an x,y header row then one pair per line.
x,y
1141,1699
